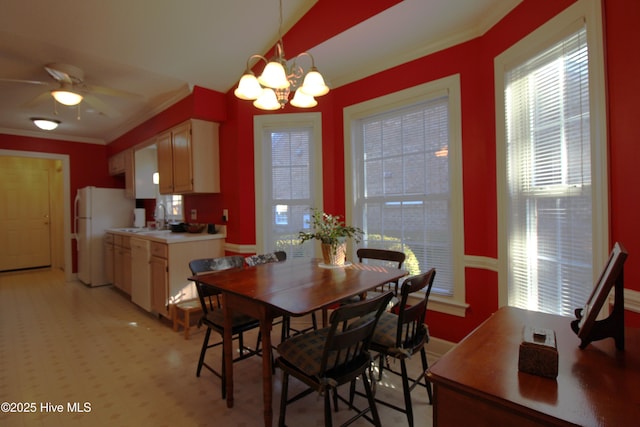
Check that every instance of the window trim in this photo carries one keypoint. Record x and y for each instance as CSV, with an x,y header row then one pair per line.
x,y
261,122
554,30
455,304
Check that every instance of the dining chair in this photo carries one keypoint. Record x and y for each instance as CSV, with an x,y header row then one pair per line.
x,y
385,257
400,335
332,356
213,315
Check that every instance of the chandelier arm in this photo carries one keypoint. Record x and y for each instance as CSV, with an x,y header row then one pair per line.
x,y
252,57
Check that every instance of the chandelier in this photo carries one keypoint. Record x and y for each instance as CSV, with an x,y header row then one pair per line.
x,y
271,90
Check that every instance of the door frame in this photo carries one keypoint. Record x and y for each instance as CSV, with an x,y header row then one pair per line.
x,y
64,158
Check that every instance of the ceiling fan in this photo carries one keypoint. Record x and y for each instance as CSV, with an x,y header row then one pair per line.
x,y
70,89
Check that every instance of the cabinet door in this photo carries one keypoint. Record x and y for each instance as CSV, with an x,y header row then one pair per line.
x,y
116,164
108,260
182,159
165,163
159,285
129,175
126,270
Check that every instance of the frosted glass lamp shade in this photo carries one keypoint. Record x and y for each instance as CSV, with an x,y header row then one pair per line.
x,y
66,97
45,124
302,100
313,84
267,100
274,76
248,88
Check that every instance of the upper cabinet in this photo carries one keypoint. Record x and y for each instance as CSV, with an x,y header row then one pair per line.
x,y
188,158
122,163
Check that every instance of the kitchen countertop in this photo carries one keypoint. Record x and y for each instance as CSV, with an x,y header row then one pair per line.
x,y
166,236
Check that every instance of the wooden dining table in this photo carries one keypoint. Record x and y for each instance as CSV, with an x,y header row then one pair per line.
x,y
294,288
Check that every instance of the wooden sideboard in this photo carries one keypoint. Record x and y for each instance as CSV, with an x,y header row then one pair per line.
x,y
477,383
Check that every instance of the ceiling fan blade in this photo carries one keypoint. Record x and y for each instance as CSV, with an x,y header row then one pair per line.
x,y
31,82
65,73
100,106
110,91
38,99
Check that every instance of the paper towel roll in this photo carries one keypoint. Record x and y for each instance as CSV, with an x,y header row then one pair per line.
x,y
139,217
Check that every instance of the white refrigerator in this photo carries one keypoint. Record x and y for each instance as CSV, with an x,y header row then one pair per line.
x,y
95,210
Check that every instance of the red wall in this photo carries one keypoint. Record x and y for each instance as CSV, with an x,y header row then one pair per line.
x,y
474,62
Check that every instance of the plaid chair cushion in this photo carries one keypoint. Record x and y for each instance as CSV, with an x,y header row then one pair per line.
x,y
304,351
386,329
385,335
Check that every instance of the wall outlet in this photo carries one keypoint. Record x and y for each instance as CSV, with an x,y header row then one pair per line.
x,y
225,215
194,214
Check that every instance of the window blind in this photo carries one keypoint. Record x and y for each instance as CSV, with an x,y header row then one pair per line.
x,y
549,179
289,158
403,196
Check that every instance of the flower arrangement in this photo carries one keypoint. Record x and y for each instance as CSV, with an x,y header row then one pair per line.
x,y
330,230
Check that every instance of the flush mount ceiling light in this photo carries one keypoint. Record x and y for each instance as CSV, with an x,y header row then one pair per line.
x,y
45,124
271,90
66,96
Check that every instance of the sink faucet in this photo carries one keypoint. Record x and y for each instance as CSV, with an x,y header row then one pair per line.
x,y
161,224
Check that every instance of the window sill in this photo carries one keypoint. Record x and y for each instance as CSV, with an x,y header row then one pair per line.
x,y
443,305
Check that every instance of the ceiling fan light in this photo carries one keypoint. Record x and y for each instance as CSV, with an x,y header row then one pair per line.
x,y
313,84
302,100
248,88
66,97
45,124
267,100
274,76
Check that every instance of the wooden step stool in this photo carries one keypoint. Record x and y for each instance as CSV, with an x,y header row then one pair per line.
x,y
181,314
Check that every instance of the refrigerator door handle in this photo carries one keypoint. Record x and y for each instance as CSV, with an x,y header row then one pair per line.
x,y
76,202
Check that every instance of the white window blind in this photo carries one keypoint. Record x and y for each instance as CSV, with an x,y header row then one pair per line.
x,y
403,197
288,156
549,179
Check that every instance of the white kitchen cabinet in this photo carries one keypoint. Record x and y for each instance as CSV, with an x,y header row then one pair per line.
x,y
188,158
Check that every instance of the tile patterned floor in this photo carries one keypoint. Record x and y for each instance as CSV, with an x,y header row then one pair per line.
x,y
92,349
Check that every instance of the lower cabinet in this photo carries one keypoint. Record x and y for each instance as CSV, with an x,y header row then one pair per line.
x,y
159,278
108,256
170,270
122,263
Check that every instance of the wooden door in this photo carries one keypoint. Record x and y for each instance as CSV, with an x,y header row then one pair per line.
x,y
182,159
24,218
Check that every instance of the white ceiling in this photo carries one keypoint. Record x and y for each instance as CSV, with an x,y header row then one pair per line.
x,y
160,49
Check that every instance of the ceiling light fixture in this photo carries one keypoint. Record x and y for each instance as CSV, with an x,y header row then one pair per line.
x,y
66,96
271,90
45,124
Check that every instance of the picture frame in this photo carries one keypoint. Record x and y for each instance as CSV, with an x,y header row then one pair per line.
x,y
586,326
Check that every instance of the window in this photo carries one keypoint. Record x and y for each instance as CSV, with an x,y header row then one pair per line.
x,y
287,153
550,206
173,207
406,179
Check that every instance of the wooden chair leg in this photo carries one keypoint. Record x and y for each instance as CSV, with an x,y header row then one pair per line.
x,y
283,398
371,399
205,344
425,367
407,392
